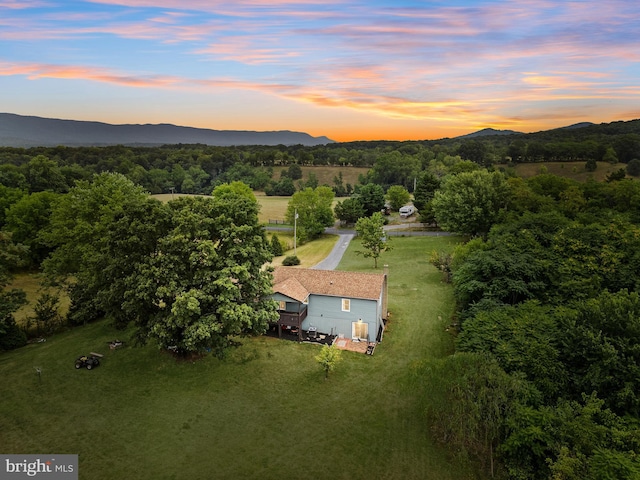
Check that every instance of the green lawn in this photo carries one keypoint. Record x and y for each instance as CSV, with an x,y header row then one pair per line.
x,y
263,413
310,253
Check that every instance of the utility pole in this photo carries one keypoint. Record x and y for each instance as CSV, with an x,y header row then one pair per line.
x,y
295,232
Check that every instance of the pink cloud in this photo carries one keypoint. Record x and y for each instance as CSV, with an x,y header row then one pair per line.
x,y
211,5
22,4
35,71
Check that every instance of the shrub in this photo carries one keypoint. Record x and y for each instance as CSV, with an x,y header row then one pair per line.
x,y
290,261
276,246
12,337
633,167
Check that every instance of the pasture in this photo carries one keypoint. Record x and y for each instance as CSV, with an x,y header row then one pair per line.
x,y
263,412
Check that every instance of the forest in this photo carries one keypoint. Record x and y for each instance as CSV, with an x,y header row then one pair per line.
x,y
545,379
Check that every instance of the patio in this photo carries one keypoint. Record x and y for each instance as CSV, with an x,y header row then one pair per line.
x,y
305,335
359,347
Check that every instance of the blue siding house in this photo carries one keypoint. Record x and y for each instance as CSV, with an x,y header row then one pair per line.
x,y
348,304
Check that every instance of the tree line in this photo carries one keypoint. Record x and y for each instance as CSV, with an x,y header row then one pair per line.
x,y
200,168
545,379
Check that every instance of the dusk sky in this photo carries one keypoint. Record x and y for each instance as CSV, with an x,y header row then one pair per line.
x,y
350,70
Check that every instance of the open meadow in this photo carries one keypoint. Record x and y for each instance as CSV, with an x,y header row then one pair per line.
x,y
264,412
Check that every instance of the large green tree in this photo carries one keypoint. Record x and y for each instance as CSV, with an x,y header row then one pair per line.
x,y
205,284
43,174
189,273
371,197
426,187
349,210
100,232
313,207
27,218
395,168
8,196
397,196
471,202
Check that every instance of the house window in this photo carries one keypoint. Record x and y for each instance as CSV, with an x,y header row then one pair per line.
x,y
346,305
282,305
360,330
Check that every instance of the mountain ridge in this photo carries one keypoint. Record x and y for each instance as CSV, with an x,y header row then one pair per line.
x,y
485,132
33,131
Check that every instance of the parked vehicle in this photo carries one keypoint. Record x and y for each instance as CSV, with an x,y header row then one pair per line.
x,y
87,362
407,211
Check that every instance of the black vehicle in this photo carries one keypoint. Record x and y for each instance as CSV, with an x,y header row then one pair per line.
x,y
87,361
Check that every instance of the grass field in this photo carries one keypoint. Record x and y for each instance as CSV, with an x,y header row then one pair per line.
x,y
271,208
265,412
30,283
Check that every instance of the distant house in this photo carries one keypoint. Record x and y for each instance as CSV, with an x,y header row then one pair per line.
x,y
348,304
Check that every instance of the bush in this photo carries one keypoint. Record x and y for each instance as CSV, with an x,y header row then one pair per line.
x,y
633,167
290,261
12,337
276,246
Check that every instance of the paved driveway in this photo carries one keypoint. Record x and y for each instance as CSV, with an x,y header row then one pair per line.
x,y
333,259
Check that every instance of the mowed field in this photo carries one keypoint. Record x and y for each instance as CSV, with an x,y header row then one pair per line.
x,y
264,412
271,208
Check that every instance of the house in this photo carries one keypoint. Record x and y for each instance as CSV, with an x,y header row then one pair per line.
x,y
348,304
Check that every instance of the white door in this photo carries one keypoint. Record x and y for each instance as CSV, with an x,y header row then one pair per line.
x,y
360,330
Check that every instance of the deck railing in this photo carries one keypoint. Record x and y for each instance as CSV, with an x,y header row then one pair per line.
x,y
292,318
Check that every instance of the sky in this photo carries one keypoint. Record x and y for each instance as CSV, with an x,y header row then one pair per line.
x,y
349,70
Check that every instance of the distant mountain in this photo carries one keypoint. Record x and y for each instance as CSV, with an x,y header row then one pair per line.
x,y
578,125
485,132
25,131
